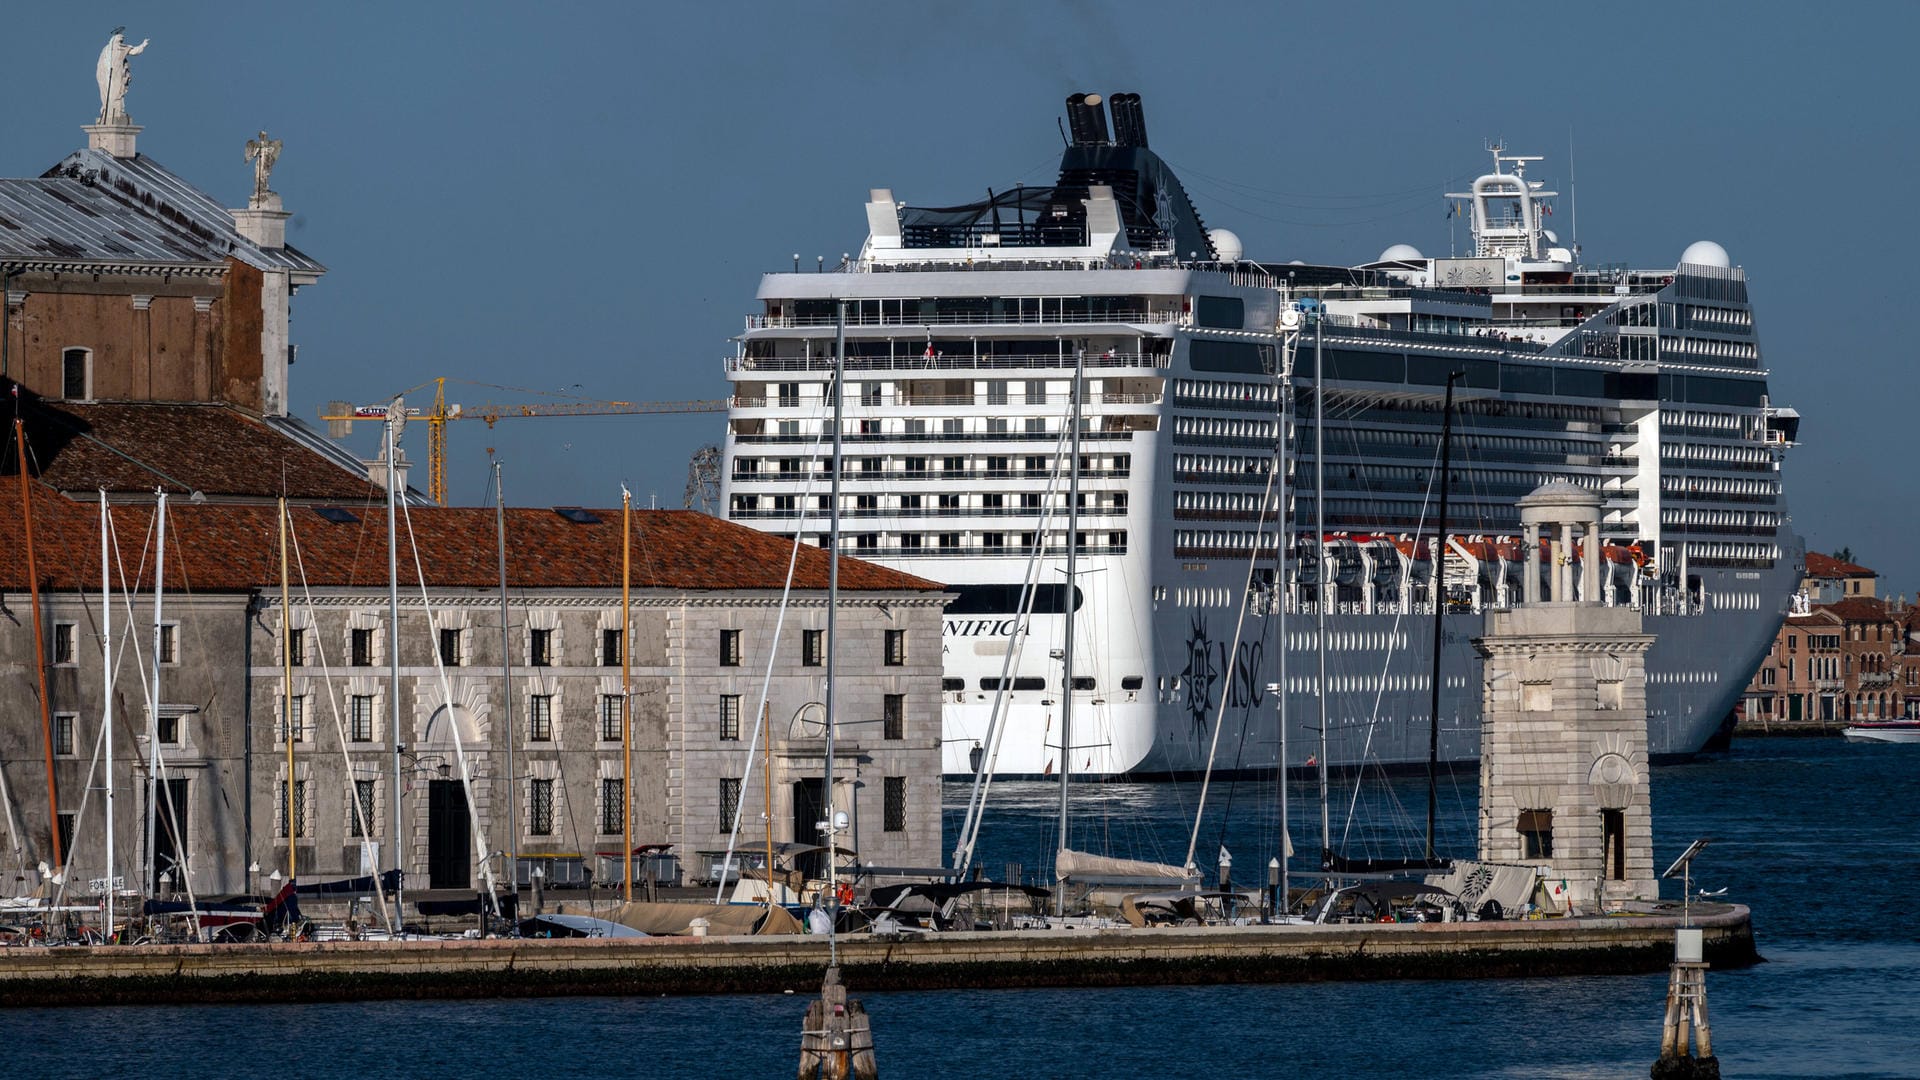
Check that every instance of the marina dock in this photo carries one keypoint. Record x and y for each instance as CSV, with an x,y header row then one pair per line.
x,y
323,971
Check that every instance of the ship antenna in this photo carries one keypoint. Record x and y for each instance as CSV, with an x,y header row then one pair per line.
x,y
1062,125
1573,197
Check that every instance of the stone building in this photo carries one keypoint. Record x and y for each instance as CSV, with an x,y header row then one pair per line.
x,y
1837,662
1563,760
706,605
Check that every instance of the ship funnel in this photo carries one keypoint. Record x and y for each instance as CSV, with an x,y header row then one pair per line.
x,y
1129,122
1086,118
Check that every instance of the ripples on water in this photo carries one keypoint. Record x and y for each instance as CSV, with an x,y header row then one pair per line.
x,y
1817,835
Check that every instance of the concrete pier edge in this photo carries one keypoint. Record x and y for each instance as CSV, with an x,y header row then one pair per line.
x,y
337,971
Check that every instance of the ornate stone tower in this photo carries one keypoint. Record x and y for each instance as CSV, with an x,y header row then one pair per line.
x,y
1563,744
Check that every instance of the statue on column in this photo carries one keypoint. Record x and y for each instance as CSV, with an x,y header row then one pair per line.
x,y
113,73
263,152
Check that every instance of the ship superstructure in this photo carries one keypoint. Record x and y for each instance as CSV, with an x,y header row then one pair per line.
x,y
962,327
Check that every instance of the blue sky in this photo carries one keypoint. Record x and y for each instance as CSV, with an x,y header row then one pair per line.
x,y
581,197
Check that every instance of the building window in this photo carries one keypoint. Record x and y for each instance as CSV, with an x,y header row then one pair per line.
x,y
66,836
300,818
360,718
893,716
610,648
610,717
360,819
730,717
893,812
729,648
296,726
540,808
896,648
362,646
169,643
76,374
450,647
540,718
169,725
1536,834
297,647
63,647
729,802
540,648
63,735
613,806
813,647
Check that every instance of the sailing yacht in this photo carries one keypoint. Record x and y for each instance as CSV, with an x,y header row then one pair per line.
x,y
962,327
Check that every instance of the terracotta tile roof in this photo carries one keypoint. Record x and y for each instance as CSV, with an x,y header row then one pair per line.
x,y
218,450
1826,566
1857,609
235,548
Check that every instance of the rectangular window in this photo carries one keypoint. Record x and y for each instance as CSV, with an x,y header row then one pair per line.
x,y
730,717
170,643
169,725
540,718
613,806
610,648
362,646
360,718
729,802
813,647
360,819
73,374
540,648
729,648
63,647
301,821
450,647
896,653
1613,843
610,718
297,647
66,836
893,716
1536,834
540,808
63,734
894,811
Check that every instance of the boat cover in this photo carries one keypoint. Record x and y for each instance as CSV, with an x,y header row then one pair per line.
x,y
1475,883
724,920
1070,864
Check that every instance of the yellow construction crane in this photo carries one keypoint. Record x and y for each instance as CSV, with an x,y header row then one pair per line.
x,y
340,416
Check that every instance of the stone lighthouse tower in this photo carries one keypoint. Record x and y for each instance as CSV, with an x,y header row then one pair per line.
x,y
1563,746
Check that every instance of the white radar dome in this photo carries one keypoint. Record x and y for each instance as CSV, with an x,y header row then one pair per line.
x,y
1706,253
1401,253
1226,244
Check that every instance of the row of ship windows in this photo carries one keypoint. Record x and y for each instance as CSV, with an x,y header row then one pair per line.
x,y
1222,464
911,504
1209,392
1682,316
1210,427
874,544
1230,502
1722,551
1720,485
1717,348
1426,442
916,467
794,395
951,426
1737,519
1728,425
1708,452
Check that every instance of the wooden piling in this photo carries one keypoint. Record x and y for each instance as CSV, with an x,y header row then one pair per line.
x,y
1686,1021
836,1039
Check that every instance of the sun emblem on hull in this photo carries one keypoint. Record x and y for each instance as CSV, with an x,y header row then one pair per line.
x,y
1200,673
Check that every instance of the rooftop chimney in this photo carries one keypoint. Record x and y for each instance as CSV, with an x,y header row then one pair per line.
x,y
1129,123
1087,119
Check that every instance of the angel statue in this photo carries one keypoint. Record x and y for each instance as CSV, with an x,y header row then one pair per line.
x,y
113,73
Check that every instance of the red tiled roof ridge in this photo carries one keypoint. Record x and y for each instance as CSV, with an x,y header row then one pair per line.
x,y
1823,566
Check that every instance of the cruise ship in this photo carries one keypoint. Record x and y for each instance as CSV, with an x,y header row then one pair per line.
x,y
973,335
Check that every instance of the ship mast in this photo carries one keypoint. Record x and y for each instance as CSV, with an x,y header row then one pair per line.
x,y
1066,652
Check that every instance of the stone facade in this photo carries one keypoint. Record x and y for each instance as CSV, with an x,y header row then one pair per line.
x,y
1563,758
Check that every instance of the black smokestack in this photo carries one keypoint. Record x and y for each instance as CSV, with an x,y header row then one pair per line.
x,y
1087,119
1129,123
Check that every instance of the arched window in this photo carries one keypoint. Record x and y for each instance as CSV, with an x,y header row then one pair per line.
x,y
76,374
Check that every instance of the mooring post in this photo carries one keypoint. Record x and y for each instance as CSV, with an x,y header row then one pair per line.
x,y
836,1039
1687,1015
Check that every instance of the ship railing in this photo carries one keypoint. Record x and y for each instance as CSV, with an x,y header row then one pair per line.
x,y
933,512
801,476
1136,316
976,551
938,439
948,363
744,401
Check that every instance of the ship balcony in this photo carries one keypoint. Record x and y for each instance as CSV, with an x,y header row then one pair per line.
x,y
1122,317
906,516
1039,441
819,475
1044,404
1103,361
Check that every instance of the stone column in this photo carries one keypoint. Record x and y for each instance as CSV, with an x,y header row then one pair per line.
x,y
1590,563
1530,580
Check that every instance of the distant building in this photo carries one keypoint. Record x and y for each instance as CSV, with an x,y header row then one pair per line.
x,y
707,632
1841,656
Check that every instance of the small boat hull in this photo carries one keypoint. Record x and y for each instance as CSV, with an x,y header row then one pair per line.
x,y
1897,731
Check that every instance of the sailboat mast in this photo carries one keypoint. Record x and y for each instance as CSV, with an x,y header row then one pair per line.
x,y
1320,568
153,700
1066,652
106,700
39,643
288,720
1283,537
1439,609
626,681
833,607
394,414
506,691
